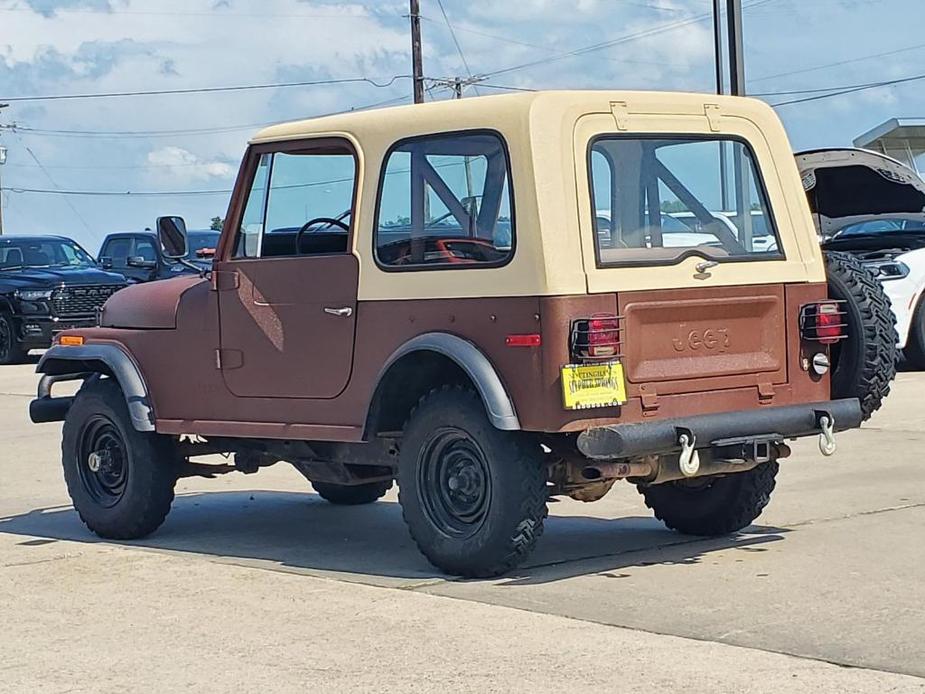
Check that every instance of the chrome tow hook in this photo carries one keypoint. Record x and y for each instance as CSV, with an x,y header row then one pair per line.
x,y
827,445
689,460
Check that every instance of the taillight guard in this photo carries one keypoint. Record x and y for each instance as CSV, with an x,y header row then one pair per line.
x,y
597,338
825,322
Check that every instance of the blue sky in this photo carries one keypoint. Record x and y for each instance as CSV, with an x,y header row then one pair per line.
x,y
91,46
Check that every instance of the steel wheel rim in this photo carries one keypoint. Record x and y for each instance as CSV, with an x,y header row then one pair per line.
x,y
103,461
454,483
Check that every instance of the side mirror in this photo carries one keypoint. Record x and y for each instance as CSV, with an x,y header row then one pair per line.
x,y
139,262
171,233
106,263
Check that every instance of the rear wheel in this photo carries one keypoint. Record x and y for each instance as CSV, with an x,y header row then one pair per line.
x,y
11,351
864,364
352,495
712,506
473,496
120,480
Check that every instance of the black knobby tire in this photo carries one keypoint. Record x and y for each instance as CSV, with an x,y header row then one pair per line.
x,y
128,494
11,351
352,495
863,365
473,496
712,506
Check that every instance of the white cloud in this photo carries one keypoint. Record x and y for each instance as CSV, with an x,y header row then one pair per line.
x,y
181,165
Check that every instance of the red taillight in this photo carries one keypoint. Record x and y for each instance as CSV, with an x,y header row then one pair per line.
x,y
596,338
828,324
825,322
603,337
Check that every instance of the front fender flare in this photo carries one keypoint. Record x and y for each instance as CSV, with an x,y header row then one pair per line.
x,y
498,404
100,358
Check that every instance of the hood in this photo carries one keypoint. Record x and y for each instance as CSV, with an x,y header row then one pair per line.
x,y
846,186
42,278
150,305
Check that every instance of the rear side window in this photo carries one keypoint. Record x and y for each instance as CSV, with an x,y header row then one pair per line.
x,y
657,201
445,203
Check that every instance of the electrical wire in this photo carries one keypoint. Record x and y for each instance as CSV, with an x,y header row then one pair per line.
x,y
852,90
52,181
381,84
456,42
626,38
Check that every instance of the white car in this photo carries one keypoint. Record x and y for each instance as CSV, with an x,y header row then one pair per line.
x,y
873,207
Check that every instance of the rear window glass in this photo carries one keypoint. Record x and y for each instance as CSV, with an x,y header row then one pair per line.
x,y
444,203
656,201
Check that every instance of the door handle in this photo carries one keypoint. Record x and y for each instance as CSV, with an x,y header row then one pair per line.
x,y
706,265
344,312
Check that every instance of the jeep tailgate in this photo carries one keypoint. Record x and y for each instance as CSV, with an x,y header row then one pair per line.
x,y
686,340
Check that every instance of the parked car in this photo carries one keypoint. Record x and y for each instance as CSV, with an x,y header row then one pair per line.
x,y
47,284
872,208
137,255
408,340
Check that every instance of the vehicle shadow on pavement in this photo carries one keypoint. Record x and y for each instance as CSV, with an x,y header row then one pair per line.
x,y
301,532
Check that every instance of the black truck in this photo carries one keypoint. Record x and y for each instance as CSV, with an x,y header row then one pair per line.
x,y
47,284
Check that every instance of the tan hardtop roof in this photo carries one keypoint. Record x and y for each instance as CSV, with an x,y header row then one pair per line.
x,y
504,108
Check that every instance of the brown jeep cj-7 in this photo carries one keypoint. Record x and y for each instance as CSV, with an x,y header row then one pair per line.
x,y
493,301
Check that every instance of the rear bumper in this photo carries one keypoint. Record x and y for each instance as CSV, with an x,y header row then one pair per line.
x,y
767,423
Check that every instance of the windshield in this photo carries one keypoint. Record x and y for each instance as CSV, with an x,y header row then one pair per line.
x,y
882,226
42,253
201,244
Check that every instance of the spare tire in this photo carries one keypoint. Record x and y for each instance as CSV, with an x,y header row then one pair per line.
x,y
863,366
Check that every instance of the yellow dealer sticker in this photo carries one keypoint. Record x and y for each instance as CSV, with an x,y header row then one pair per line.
x,y
593,385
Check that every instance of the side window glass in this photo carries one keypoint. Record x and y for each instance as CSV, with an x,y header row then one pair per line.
x,y
144,248
310,204
249,235
445,202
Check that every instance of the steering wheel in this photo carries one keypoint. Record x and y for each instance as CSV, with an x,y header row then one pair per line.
x,y
329,221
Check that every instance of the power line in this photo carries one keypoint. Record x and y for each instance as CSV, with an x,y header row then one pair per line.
x,y
837,63
52,181
626,38
206,90
456,43
852,89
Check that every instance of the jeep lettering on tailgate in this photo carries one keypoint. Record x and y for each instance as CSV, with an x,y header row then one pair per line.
x,y
709,339
491,302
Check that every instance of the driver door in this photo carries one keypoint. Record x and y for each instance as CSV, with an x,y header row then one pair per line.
x,y
288,292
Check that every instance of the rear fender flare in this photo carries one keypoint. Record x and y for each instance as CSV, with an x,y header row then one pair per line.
x,y
498,404
111,361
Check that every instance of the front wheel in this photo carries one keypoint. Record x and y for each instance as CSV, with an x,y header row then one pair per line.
x,y
712,506
473,496
120,480
11,352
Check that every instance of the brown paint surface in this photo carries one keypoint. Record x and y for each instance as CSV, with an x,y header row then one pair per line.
x,y
191,394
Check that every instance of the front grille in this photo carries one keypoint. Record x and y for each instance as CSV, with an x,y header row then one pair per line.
x,y
82,300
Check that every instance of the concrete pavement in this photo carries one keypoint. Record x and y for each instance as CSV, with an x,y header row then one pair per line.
x,y
254,581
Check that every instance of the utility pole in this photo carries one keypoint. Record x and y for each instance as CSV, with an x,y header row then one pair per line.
x,y
736,48
416,59
2,162
733,40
